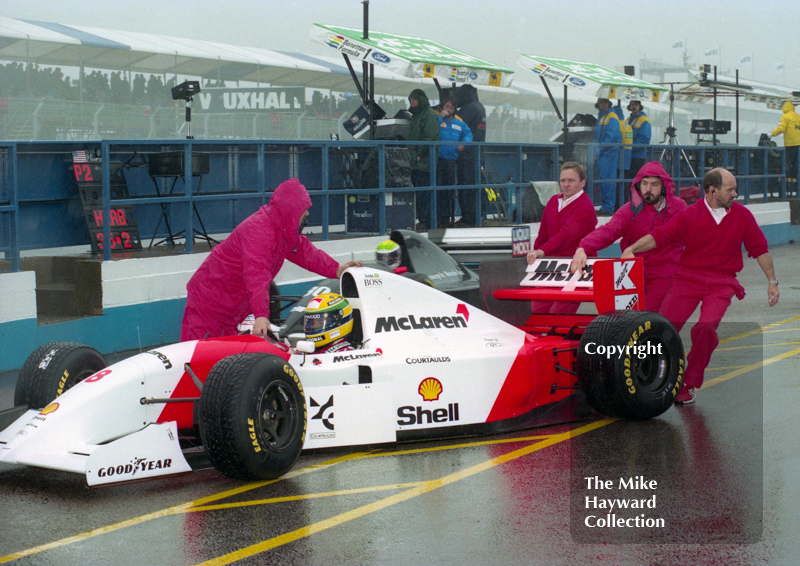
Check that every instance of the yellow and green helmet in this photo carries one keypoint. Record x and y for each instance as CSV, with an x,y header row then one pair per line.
x,y
389,252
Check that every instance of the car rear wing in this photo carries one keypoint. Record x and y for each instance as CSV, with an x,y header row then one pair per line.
x,y
507,286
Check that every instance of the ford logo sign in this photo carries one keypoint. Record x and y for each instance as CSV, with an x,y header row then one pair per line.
x,y
381,57
577,82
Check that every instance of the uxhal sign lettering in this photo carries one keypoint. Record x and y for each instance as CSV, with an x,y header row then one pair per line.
x,y
267,99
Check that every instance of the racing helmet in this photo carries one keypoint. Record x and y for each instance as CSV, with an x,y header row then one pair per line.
x,y
389,252
328,318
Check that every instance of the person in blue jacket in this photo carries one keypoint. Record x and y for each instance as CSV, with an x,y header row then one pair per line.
x,y
607,131
451,129
627,141
642,133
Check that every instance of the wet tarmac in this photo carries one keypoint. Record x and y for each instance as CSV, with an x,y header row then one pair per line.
x,y
709,483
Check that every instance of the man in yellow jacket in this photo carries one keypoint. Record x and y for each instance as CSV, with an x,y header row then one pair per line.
x,y
790,128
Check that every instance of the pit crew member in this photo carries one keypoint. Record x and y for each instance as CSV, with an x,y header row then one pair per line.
x,y
652,204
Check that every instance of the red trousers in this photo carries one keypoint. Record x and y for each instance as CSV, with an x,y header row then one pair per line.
x,y
655,290
714,294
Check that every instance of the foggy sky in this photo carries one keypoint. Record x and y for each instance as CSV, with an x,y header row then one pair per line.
x,y
611,33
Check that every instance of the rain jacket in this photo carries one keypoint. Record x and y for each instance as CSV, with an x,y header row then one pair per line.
x,y
424,127
642,132
452,129
471,111
637,219
627,137
234,279
607,130
789,126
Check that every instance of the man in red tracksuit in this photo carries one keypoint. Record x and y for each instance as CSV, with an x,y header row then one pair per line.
x,y
566,219
712,231
652,204
233,281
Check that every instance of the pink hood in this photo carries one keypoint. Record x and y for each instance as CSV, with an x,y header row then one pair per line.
x,y
651,169
287,204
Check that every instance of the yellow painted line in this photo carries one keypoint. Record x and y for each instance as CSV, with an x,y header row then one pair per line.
x,y
177,509
751,367
421,489
774,345
304,497
100,531
758,330
461,445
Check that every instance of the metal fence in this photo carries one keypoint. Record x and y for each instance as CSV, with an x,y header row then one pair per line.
x,y
40,206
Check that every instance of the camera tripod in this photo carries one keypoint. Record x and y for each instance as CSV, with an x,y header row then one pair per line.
x,y
671,138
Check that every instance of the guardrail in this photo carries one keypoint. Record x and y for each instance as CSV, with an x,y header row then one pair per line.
x,y
40,207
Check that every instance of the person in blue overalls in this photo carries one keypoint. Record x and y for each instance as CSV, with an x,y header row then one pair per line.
x,y
607,131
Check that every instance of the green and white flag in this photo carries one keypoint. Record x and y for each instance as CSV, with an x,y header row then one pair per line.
x,y
412,57
593,79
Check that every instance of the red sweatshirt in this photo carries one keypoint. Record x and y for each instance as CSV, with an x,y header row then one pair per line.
x,y
637,219
561,232
709,246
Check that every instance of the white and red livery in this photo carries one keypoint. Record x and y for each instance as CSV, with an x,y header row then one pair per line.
x,y
428,366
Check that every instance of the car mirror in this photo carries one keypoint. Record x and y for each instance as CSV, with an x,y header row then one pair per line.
x,y
305,346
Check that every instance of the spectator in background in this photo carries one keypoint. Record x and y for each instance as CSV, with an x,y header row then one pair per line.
x,y
607,131
640,124
653,203
424,127
474,115
790,128
451,129
567,218
627,145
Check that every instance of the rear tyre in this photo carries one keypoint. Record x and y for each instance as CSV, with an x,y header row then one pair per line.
x,y
253,416
642,382
52,369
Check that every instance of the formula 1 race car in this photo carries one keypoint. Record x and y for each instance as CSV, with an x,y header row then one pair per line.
x,y
428,366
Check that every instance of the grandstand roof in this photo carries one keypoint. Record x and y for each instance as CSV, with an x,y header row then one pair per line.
x,y
47,43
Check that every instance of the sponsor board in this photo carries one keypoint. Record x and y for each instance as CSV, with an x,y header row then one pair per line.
x,y
520,240
264,99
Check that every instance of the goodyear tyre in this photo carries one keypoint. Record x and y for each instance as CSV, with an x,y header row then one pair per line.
x,y
52,369
630,364
252,416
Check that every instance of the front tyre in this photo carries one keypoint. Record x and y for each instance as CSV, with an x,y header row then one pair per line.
x,y
52,369
253,416
630,364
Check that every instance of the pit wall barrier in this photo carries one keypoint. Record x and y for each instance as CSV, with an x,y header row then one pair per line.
x,y
143,299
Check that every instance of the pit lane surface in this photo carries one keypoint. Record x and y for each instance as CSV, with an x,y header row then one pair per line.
x,y
725,472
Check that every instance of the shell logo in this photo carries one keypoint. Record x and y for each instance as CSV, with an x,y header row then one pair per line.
x,y
430,389
51,408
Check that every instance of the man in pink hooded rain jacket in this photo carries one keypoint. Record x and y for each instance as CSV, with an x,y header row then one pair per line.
x,y
234,279
653,203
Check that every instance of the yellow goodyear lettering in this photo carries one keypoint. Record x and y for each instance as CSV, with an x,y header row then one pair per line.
x,y
627,373
251,427
648,325
62,382
679,381
288,370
